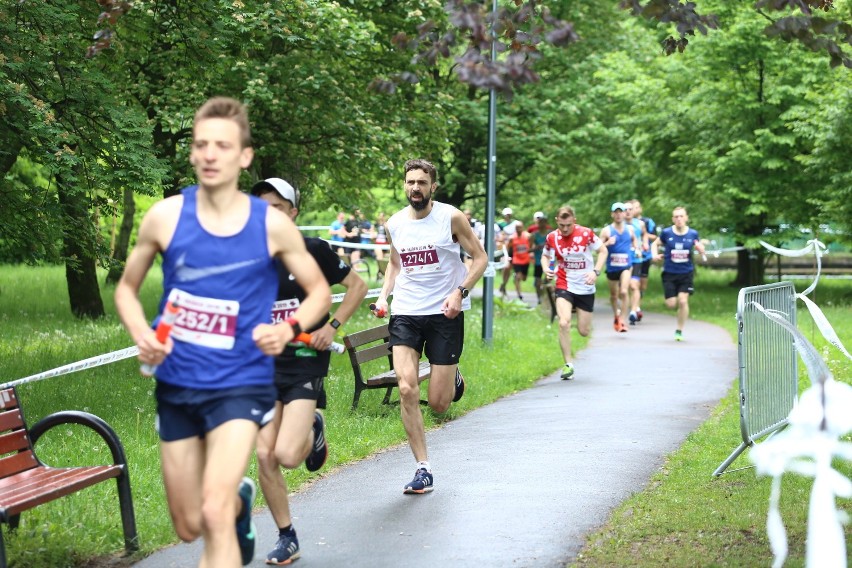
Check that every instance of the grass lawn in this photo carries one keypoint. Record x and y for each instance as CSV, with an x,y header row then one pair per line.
x,y
683,517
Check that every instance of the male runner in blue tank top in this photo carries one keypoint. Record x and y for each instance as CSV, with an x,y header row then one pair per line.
x,y
430,287
620,240
296,434
678,268
214,386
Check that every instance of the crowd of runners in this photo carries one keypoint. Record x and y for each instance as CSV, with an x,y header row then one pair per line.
x,y
244,367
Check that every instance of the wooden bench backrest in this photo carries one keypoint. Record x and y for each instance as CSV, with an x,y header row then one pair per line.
x,y
359,347
16,451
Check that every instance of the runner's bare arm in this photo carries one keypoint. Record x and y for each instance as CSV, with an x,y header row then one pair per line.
x,y
155,233
467,239
393,268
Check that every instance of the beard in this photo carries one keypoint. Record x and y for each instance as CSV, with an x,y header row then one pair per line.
x,y
419,205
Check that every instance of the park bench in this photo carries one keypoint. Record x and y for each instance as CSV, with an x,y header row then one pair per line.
x,y
371,345
25,482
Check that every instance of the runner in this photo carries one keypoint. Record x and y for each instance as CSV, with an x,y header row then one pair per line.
x,y
571,246
651,232
678,269
430,288
636,256
519,246
214,377
538,233
620,239
296,434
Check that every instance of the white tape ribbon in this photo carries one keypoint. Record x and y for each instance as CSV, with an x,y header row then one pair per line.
x,y
125,353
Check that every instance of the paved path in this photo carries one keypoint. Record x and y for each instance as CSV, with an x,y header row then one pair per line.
x,y
520,482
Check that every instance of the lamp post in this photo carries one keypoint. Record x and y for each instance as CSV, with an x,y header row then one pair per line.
x,y
490,198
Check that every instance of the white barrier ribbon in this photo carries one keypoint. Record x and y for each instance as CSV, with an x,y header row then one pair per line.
x,y
78,366
125,353
814,246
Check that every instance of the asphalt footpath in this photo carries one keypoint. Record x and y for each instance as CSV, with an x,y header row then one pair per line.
x,y
520,482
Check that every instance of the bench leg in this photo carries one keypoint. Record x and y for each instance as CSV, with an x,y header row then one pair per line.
x,y
128,518
356,397
387,396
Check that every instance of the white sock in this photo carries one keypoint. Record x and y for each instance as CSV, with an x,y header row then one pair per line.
x,y
569,364
424,465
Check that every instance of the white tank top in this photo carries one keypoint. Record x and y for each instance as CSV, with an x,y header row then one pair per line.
x,y
431,267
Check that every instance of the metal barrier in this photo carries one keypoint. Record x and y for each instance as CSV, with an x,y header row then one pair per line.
x,y
768,363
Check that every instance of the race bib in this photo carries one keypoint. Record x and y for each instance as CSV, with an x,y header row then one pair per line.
x,y
680,255
209,322
618,260
423,259
575,264
283,309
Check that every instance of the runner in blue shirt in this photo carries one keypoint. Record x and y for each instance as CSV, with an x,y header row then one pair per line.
x,y
678,268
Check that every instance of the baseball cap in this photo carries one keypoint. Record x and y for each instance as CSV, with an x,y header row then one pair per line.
x,y
507,211
618,205
538,215
284,189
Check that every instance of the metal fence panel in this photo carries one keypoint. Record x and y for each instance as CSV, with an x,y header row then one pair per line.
x,y
768,363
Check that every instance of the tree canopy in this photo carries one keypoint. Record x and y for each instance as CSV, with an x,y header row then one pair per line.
x,y
744,123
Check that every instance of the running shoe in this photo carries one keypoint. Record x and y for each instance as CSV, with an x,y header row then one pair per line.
x,y
459,386
616,324
422,483
678,335
286,549
245,524
319,452
633,318
639,315
568,372
621,327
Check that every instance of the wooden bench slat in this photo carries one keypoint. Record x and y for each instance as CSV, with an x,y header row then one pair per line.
x,y
14,464
13,441
48,484
11,419
8,398
372,353
359,338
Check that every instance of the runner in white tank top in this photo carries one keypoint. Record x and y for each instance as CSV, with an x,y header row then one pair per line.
x,y
430,287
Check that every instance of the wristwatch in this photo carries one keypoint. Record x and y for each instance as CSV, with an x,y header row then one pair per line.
x,y
597,272
334,323
297,329
464,291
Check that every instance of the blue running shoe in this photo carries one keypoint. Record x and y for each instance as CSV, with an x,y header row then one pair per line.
x,y
245,524
459,386
423,482
286,549
633,318
319,453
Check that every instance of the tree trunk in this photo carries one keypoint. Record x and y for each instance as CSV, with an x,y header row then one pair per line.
x,y
122,242
750,262
80,252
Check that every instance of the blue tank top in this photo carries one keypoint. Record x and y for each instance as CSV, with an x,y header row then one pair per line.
x,y
225,286
678,253
620,255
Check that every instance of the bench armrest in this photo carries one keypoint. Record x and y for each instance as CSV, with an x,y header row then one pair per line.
x,y
87,419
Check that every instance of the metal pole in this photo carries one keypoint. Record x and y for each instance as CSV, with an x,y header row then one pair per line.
x,y
490,199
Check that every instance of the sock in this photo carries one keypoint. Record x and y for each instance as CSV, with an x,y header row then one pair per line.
x,y
424,465
286,530
569,364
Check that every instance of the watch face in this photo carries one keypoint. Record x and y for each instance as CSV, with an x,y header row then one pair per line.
x,y
464,292
335,324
